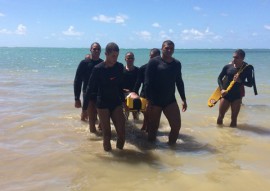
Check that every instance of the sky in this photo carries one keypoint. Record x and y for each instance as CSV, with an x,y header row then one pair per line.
x,y
135,23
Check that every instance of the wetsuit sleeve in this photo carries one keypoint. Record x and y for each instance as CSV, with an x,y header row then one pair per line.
x,y
220,77
121,83
91,88
139,80
149,79
78,81
249,79
180,83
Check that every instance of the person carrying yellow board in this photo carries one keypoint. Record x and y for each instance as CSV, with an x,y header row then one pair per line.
x,y
237,74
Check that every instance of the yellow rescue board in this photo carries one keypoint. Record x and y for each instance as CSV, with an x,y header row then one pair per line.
x,y
214,98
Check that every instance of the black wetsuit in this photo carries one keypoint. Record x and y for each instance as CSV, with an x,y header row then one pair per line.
x,y
105,86
229,71
130,78
82,76
140,80
160,81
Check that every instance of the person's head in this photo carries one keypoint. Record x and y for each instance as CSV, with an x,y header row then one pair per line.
x,y
129,58
154,52
167,48
111,53
239,56
95,50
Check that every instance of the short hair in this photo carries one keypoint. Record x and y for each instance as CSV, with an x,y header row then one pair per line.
x,y
129,53
155,52
111,47
240,52
168,42
94,44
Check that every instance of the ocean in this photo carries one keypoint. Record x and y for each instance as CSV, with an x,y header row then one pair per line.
x,y
45,146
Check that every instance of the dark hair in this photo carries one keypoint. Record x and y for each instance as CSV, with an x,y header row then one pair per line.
x,y
129,53
94,44
168,42
241,53
155,52
111,47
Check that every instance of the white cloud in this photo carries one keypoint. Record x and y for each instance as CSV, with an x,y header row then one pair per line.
x,y
118,19
145,35
196,8
193,34
157,25
2,15
171,31
267,27
5,31
164,35
71,32
21,30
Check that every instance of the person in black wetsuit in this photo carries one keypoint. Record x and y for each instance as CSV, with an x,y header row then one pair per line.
x,y
140,80
161,76
130,77
233,98
106,87
81,80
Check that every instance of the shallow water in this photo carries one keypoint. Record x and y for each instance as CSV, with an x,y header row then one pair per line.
x,y
45,146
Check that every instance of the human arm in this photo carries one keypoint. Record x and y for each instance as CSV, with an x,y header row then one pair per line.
x,y
139,81
181,87
91,88
77,84
149,78
220,79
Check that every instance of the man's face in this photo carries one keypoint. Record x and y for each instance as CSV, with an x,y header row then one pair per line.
x,y
237,59
112,58
129,59
167,50
95,51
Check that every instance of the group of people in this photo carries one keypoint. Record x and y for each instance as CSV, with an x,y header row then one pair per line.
x,y
106,84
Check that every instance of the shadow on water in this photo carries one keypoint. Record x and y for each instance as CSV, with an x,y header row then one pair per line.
x,y
145,152
185,143
254,129
131,156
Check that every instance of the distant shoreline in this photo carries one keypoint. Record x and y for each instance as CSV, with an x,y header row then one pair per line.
x,y
144,48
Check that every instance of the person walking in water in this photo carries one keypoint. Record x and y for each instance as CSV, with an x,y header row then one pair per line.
x,y
81,79
140,80
162,75
238,74
106,87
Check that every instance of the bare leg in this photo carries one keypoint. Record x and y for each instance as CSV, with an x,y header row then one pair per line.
x,y
154,115
144,126
223,108
118,119
173,115
92,113
83,116
104,117
235,108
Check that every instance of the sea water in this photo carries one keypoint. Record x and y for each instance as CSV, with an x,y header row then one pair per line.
x,y
45,146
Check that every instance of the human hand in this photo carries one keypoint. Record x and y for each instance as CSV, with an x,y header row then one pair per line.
x,y
236,78
223,93
184,106
78,104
